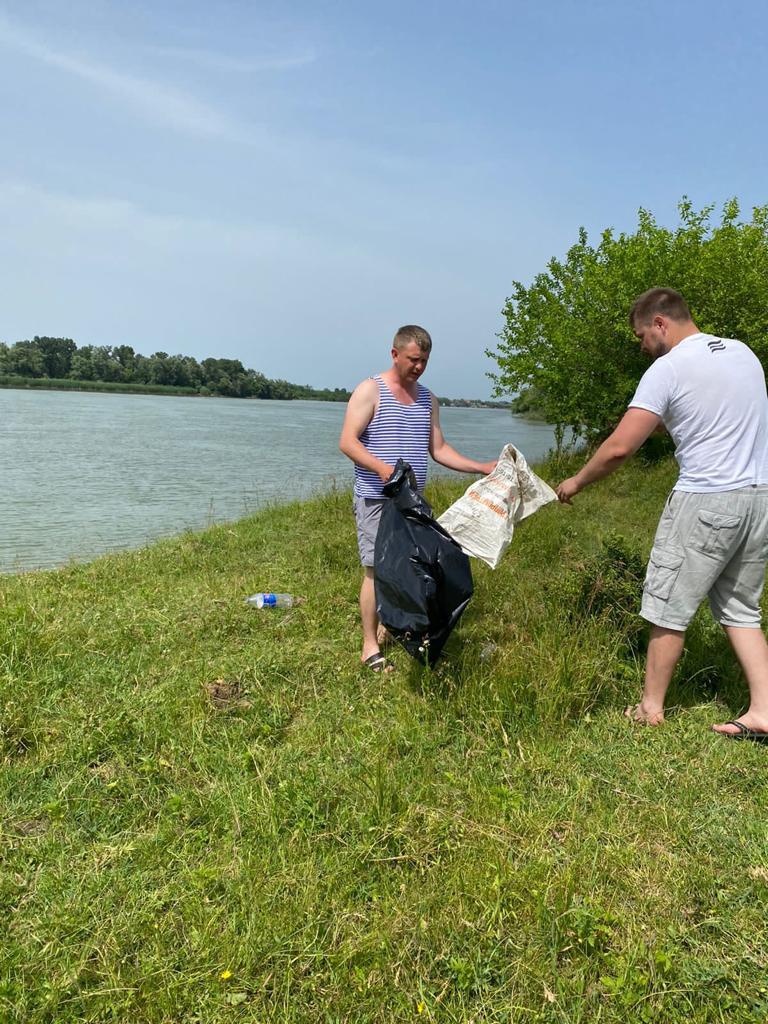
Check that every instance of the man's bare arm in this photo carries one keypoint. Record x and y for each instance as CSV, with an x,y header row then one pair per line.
x,y
360,411
447,456
636,426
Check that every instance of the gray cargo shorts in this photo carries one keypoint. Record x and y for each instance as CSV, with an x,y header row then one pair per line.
x,y
367,516
708,545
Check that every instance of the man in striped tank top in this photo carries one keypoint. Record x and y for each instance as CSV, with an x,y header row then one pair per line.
x,y
392,416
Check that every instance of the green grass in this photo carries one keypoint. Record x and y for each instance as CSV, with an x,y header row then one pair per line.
x,y
487,842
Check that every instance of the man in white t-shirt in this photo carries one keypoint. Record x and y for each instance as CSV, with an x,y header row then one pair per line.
x,y
712,538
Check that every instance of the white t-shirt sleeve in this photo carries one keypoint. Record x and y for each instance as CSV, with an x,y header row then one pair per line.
x,y
656,388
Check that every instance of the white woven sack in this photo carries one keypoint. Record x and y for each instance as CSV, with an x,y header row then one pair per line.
x,y
483,520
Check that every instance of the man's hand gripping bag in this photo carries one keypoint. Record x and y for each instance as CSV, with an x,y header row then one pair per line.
x,y
423,580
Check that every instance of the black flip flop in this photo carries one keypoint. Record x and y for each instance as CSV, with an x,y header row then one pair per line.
x,y
378,663
744,733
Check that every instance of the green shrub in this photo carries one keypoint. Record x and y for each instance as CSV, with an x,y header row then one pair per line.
x,y
567,336
608,586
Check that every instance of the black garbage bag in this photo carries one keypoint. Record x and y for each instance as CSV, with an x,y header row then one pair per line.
x,y
423,580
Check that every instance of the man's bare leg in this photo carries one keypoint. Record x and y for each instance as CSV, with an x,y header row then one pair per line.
x,y
664,650
368,615
751,649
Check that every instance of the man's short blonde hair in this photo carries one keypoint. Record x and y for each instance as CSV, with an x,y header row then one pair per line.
x,y
411,333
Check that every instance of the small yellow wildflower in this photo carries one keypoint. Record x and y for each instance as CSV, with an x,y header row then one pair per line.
x,y
225,975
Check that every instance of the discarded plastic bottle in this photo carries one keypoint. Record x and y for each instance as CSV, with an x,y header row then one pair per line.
x,y
270,600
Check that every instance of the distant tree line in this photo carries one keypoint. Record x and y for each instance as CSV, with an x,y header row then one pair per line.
x,y
474,403
528,403
60,361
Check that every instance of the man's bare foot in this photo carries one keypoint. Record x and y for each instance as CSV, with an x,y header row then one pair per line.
x,y
641,716
749,725
369,649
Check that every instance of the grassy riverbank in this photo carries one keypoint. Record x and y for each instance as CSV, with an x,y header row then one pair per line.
x,y
211,814
135,388
109,387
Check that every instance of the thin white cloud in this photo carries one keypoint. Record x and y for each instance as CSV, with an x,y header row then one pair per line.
x,y
154,100
119,224
120,218
109,229
225,62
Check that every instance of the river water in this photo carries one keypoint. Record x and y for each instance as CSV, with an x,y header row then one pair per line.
x,y
84,473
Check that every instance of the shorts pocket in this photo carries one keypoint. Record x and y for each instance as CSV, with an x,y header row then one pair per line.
x,y
663,570
668,503
714,533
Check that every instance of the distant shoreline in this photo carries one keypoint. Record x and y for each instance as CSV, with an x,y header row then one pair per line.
x,y
107,387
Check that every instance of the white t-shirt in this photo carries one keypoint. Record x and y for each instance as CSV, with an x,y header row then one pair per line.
x,y
710,394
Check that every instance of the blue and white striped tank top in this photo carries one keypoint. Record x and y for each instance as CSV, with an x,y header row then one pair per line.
x,y
396,431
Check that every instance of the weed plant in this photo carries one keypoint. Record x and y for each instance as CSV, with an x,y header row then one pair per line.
x,y
213,814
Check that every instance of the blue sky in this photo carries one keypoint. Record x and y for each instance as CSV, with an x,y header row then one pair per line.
x,y
288,183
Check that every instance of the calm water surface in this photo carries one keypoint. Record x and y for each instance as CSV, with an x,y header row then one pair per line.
x,y
82,474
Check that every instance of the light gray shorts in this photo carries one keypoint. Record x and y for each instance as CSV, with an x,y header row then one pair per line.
x,y
708,545
367,516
